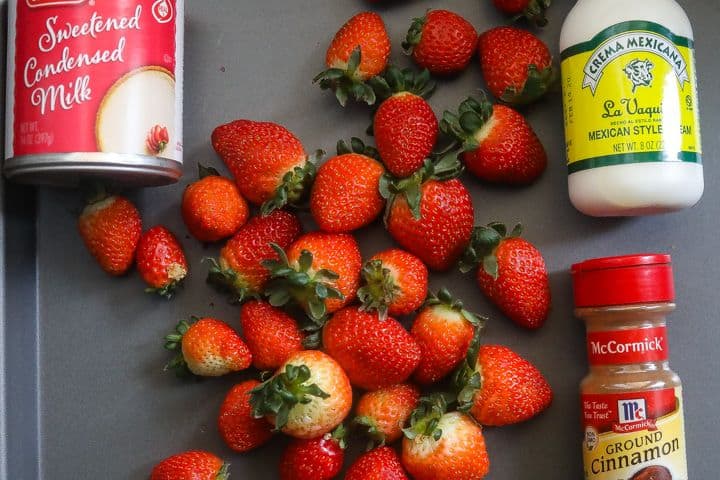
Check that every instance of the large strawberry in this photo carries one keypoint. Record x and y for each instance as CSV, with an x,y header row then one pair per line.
x,y
499,145
207,347
240,430
111,229
511,272
442,41
161,261
374,353
308,397
318,458
533,10
382,414
358,52
268,162
381,463
431,213
192,465
239,269
345,195
516,64
271,334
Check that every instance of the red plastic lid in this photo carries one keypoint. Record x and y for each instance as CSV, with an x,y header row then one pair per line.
x,y
628,279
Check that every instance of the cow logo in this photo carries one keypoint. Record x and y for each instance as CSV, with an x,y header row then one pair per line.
x,y
639,72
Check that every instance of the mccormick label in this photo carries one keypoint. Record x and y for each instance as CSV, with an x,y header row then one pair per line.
x,y
95,76
627,346
630,96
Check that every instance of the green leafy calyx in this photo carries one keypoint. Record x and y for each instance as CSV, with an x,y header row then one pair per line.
x,y
347,83
414,35
226,280
425,419
467,379
535,12
464,125
538,83
356,145
205,171
444,298
295,186
483,243
394,80
173,343
380,288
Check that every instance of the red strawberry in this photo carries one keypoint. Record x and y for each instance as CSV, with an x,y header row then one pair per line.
x,y
207,347
444,331
517,65
396,283
444,446
271,334
500,146
239,269
533,10
502,388
430,216
512,274
111,230
359,51
192,465
383,413
318,458
240,430
161,261
212,207
268,162
157,139
374,353
308,397
381,463
441,41
345,194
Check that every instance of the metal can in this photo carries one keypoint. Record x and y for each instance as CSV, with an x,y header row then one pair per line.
x,y
94,91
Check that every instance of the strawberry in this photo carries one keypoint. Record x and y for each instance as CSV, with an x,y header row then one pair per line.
x,y
358,52
240,430
533,10
499,145
212,207
192,465
161,261
442,41
381,463
268,162
516,64
111,229
318,458
345,194
383,413
431,213
443,446
271,334
308,397
239,269
207,347
501,387
404,125
511,273
396,283
374,353
444,331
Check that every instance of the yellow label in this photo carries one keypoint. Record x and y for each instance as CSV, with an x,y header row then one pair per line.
x,y
630,96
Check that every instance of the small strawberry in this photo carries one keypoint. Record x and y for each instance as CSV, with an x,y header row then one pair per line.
x,y
161,261
396,283
441,41
381,463
157,139
358,52
511,273
111,229
431,213
345,194
240,430
383,413
444,331
443,446
212,207
318,458
533,10
207,347
268,162
404,125
499,145
517,65
374,353
501,388
239,268
192,465
308,397
271,334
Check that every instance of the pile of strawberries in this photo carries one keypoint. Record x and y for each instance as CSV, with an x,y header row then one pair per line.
x,y
319,321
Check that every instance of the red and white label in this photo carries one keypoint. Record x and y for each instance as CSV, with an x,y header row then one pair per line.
x,y
95,76
627,346
628,412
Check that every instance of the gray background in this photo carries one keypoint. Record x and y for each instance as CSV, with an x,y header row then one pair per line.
x,y
85,392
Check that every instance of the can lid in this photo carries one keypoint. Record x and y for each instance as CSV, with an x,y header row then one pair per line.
x,y
623,280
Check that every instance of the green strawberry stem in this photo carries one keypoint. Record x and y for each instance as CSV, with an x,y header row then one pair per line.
x,y
425,418
466,379
356,145
379,290
173,343
340,435
295,186
368,427
538,83
166,291
481,250
535,12
414,35
224,472
346,83
395,80
445,298
463,126
204,171
226,280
